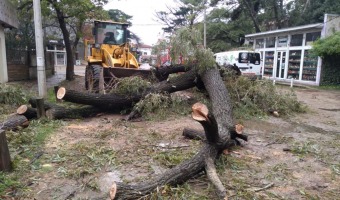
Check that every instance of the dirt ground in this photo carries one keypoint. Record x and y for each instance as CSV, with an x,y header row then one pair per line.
x,y
285,158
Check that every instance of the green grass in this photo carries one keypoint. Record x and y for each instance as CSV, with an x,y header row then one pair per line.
x,y
27,147
329,87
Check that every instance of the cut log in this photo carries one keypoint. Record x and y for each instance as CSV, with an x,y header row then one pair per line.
x,y
56,88
33,103
119,102
106,101
5,158
59,112
28,112
13,122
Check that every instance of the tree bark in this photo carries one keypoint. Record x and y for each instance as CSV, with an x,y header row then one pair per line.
x,y
47,105
13,122
5,158
68,47
162,73
221,104
60,112
118,102
193,134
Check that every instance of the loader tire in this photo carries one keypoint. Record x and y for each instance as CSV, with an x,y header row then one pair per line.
x,y
93,78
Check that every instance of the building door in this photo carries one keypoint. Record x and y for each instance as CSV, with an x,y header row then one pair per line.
x,y
280,64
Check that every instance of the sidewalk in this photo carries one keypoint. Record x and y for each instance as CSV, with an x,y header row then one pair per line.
x,y
60,74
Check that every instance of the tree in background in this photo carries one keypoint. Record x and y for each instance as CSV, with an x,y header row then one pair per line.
x,y
74,13
119,16
186,14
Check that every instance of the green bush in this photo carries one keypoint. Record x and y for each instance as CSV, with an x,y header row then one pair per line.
x,y
329,46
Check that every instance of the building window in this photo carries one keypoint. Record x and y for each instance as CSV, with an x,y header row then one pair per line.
x,y
294,64
270,42
282,41
259,44
296,40
145,53
310,63
311,37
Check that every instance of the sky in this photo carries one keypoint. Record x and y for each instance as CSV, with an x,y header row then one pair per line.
x,y
144,22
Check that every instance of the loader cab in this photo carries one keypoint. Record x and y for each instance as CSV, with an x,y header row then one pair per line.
x,y
113,33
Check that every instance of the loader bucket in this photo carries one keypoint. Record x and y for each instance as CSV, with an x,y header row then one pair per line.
x,y
126,72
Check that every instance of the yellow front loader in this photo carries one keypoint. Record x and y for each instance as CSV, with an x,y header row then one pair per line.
x,y
110,56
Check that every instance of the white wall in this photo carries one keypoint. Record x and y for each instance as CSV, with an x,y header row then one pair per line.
x,y
147,50
3,61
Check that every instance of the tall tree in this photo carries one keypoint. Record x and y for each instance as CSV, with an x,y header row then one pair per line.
x,y
78,11
185,14
119,16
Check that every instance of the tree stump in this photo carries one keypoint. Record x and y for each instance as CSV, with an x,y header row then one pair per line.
x,y
5,159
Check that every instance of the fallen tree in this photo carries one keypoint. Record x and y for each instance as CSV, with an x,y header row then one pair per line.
x,y
217,125
114,101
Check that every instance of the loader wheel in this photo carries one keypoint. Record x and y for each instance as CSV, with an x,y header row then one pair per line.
x,y
94,78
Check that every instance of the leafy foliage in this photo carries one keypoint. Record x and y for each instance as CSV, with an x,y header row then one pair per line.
x,y
329,46
133,85
258,97
159,106
186,14
186,45
13,95
119,16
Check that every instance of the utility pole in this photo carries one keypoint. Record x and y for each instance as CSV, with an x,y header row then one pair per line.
x,y
39,49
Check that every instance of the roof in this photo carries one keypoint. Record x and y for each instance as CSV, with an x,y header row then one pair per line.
x,y
110,22
8,15
317,26
144,46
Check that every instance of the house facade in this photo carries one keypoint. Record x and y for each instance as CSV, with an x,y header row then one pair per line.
x,y
285,53
8,19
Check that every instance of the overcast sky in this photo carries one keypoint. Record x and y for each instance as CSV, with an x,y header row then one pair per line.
x,y
144,22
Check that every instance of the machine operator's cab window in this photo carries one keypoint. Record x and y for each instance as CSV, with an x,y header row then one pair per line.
x,y
110,33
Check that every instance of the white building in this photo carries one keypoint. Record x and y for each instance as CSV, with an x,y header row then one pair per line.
x,y
8,19
286,52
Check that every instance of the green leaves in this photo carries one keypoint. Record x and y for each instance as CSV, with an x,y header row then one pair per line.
x,y
12,95
186,44
329,46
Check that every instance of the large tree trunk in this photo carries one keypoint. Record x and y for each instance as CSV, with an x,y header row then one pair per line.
x,y
162,73
216,126
66,36
118,102
71,113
